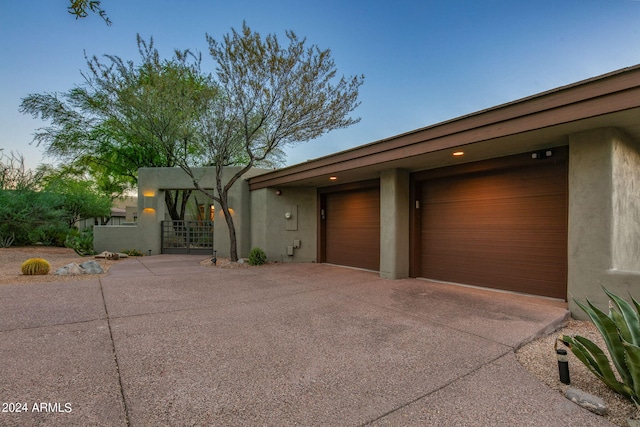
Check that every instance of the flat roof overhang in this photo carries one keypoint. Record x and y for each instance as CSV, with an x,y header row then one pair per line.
x,y
529,124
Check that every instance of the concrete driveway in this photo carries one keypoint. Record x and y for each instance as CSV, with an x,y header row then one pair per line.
x,y
162,340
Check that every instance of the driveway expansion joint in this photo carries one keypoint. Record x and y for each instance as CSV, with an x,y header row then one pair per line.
x,y
443,386
115,359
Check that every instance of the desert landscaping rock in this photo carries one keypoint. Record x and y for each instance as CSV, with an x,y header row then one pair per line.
x,y
88,267
72,269
91,267
587,401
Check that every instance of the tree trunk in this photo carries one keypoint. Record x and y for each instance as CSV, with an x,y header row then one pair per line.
x,y
185,198
171,200
233,245
222,198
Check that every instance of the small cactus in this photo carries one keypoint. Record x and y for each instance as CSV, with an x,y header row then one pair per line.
x,y
34,266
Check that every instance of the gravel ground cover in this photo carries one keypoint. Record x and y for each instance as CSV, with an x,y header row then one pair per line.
x,y
12,258
538,357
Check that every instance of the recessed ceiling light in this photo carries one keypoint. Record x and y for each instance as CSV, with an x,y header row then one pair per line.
x,y
333,178
458,153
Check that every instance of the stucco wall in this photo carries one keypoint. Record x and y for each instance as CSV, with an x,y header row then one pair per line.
x,y
152,183
273,232
626,204
603,225
115,238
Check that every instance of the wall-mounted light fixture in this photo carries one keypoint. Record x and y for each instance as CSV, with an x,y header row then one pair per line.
x,y
333,178
458,153
278,192
149,202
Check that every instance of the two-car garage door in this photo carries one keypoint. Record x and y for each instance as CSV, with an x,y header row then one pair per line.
x,y
504,229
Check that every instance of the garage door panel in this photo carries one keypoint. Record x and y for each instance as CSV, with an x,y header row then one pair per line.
x,y
504,229
352,227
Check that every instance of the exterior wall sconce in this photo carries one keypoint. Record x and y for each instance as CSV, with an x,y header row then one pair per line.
x,y
149,202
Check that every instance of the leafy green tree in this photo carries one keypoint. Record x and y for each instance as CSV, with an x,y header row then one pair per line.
x,y
32,217
100,181
272,96
42,206
80,200
126,116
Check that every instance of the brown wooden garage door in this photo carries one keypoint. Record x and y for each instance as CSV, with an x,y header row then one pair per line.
x,y
352,228
504,229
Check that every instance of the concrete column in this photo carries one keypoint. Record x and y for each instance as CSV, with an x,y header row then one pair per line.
x,y
394,224
604,209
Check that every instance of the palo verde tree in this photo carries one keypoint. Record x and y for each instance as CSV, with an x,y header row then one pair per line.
x,y
126,116
271,96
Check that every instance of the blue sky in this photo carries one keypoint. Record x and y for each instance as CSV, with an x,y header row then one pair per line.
x,y
424,61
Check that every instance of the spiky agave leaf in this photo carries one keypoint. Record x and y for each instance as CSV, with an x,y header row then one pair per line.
x,y
630,330
633,363
611,336
594,358
621,323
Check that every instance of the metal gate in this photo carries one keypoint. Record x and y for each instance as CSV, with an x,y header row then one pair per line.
x,y
187,237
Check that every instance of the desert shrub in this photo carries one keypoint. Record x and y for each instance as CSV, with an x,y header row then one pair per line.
x,y
31,217
80,241
52,234
132,252
35,266
6,241
257,257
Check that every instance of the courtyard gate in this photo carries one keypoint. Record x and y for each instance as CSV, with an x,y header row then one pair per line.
x,y
187,237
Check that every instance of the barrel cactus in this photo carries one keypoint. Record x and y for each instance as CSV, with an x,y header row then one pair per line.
x,y
35,266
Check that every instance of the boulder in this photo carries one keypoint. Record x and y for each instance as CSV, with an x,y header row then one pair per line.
x,y
587,401
73,269
91,267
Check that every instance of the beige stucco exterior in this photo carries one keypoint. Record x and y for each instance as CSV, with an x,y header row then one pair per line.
x,y
604,222
274,231
153,182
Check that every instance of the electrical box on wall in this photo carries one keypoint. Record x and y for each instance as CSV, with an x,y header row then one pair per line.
x,y
290,250
291,218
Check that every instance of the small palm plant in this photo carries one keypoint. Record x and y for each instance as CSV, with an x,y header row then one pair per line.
x,y
620,330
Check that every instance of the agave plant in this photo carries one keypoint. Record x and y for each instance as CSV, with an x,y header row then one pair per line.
x,y
620,330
